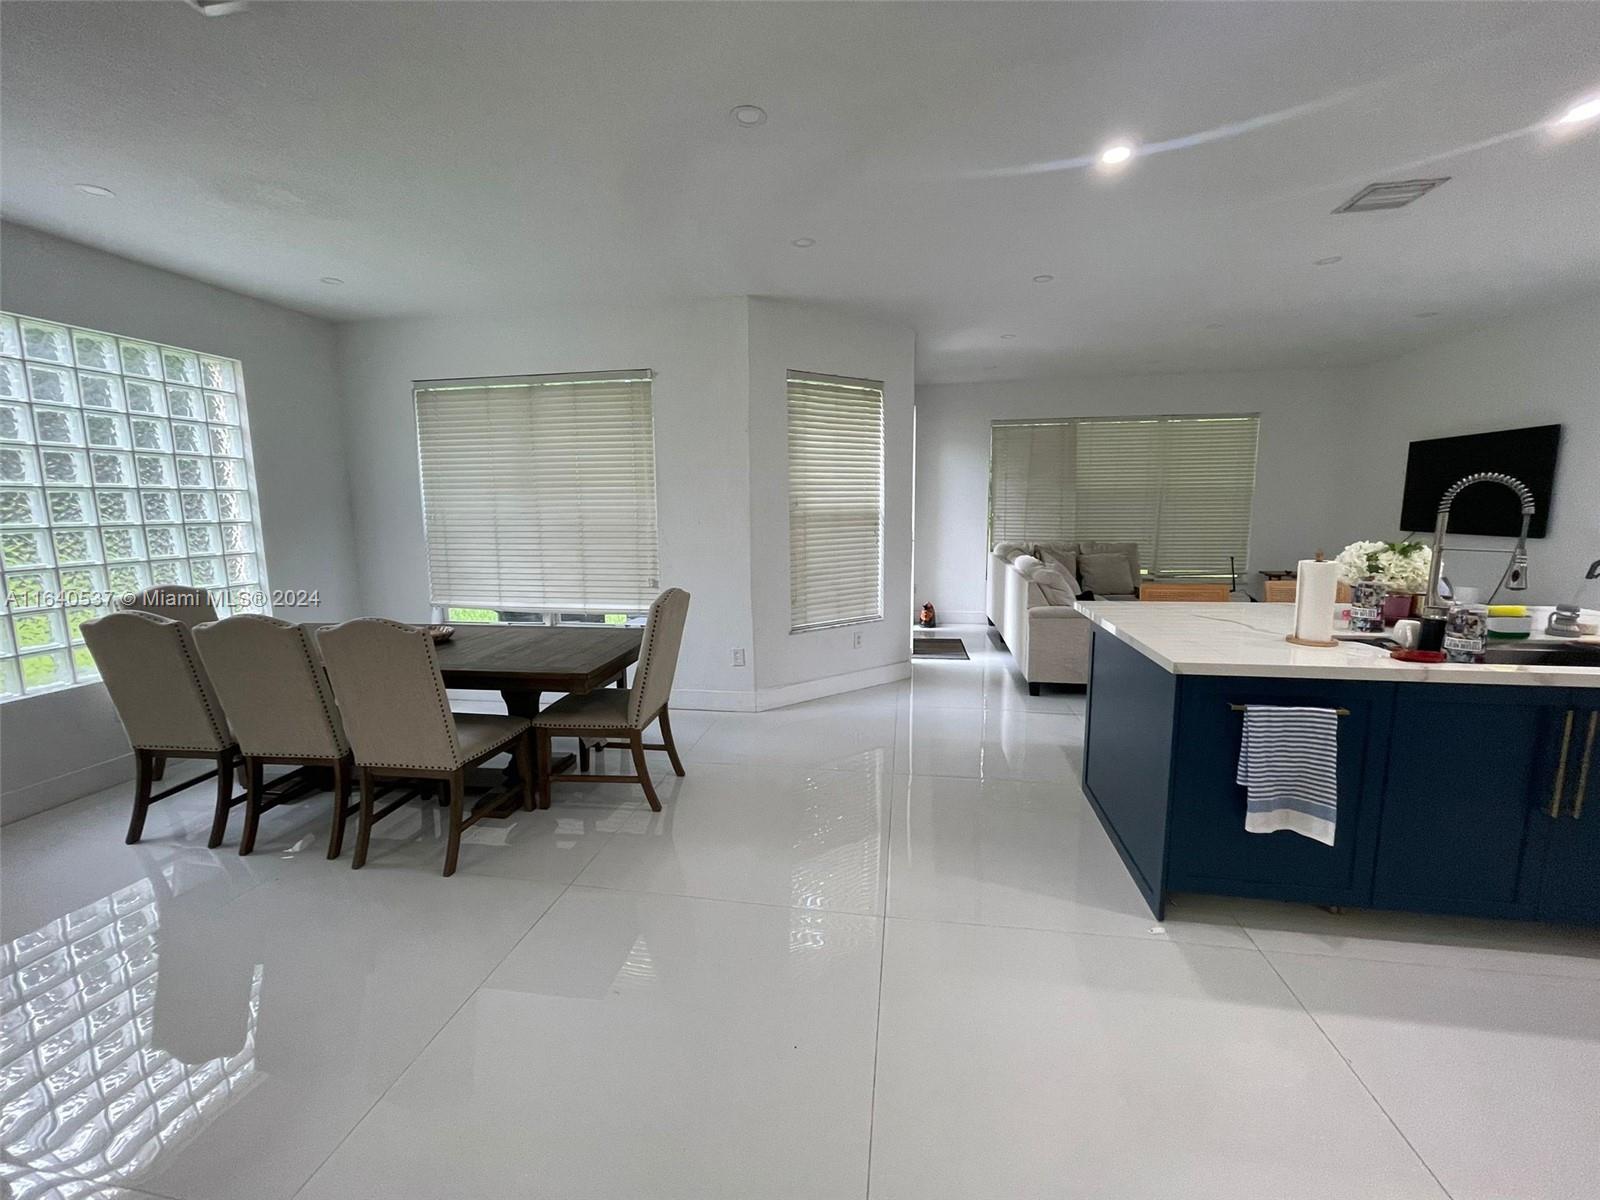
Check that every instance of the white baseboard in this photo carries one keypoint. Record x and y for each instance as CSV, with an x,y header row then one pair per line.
x,y
833,685
711,700
62,789
951,616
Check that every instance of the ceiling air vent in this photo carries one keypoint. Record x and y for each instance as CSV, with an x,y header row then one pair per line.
x,y
1377,196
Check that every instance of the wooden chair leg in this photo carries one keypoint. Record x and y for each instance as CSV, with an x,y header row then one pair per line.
x,y
530,786
144,766
364,822
219,820
543,756
158,766
636,739
458,796
666,739
341,790
252,805
583,756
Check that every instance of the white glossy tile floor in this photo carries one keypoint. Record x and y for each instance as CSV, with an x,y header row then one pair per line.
x,y
876,945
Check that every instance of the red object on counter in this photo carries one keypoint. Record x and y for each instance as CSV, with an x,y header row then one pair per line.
x,y
1417,656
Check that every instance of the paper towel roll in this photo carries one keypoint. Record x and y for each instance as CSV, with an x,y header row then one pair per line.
x,y
1314,594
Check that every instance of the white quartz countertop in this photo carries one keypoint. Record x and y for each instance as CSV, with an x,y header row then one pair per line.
x,y
1248,639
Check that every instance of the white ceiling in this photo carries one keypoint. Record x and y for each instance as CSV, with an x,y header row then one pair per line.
x,y
454,157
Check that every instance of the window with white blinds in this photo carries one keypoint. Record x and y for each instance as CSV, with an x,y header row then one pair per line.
x,y
539,491
1181,487
835,501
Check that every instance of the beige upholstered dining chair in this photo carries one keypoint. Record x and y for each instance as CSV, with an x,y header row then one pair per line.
x,y
179,602
392,702
612,713
190,606
281,707
167,705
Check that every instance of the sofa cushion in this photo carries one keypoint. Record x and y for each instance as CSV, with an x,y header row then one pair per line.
x,y
1063,556
1057,588
1027,564
1106,574
1129,550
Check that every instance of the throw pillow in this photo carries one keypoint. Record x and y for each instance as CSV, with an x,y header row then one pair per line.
x,y
1107,574
1065,561
1057,588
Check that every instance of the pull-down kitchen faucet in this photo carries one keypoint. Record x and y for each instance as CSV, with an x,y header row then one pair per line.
x,y
1516,577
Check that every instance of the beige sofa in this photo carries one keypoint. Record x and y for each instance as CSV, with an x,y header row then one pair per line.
x,y
1029,603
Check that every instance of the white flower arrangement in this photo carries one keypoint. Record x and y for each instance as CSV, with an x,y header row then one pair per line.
x,y
1401,566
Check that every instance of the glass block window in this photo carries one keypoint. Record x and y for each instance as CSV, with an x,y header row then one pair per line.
x,y
122,464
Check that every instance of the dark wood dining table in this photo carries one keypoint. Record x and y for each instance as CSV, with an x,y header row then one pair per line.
x,y
522,662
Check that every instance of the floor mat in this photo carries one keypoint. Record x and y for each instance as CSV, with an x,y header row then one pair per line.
x,y
935,647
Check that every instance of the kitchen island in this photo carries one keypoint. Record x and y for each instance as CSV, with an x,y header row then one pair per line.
x,y
1461,788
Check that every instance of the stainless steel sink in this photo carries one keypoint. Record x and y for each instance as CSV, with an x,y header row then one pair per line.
x,y
1528,654
1543,654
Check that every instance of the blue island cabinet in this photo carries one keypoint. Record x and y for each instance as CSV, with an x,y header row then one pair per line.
x,y
1571,886
1453,798
1465,817
1210,850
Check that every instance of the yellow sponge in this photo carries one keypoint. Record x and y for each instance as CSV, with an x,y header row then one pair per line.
x,y
1508,610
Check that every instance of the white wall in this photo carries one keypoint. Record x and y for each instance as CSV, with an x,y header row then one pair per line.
x,y
721,473
1542,369
700,398
788,337
1304,467
63,744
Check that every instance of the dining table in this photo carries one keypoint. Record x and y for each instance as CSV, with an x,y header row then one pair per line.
x,y
522,662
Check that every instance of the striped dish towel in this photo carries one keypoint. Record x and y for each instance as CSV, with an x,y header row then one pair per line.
x,y
1289,766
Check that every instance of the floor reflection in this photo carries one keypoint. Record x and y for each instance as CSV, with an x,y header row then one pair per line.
x,y
99,1077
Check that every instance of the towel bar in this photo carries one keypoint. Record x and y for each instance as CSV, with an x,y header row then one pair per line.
x,y
1338,712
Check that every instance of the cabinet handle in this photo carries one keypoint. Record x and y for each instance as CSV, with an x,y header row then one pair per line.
x,y
1583,769
1561,767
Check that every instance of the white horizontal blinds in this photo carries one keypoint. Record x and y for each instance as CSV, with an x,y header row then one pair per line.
x,y
1208,482
1030,485
1118,476
539,491
1179,487
835,501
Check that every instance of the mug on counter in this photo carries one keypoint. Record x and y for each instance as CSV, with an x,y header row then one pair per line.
x,y
1465,631
1366,605
1408,633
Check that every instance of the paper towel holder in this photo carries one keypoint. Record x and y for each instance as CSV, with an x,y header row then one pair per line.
x,y
1299,641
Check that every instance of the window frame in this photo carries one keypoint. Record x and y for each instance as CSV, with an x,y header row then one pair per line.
x,y
1159,495
548,614
874,387
165,375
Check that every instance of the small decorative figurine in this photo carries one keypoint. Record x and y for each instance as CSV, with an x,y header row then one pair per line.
x,y
927,620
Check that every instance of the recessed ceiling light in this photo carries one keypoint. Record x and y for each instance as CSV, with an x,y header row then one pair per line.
x,y
804,243
93,189
1043,278
1329,261
332,279
1116,154
749,115
1008,336
1583,110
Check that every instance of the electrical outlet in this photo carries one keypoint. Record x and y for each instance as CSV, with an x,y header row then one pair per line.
x,y
855,640
738,656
